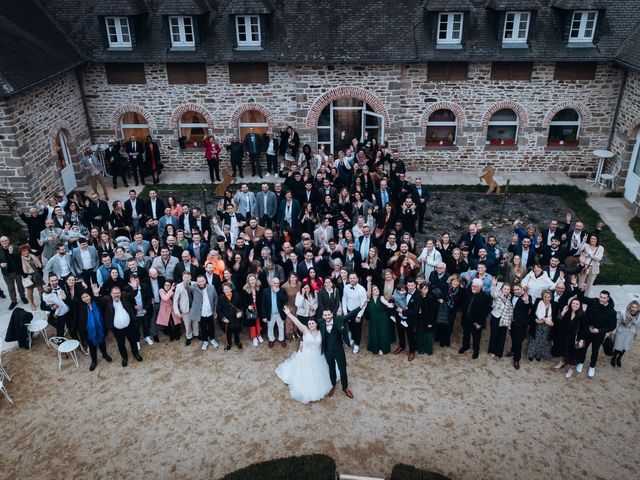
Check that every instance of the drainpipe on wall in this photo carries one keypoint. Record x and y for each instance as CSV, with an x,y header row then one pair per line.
x,y
84,105
623,85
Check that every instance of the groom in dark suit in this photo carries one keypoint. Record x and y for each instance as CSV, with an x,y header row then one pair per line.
x,y
335,334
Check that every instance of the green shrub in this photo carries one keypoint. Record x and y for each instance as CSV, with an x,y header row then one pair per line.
x,y
634,224
306,467
407,472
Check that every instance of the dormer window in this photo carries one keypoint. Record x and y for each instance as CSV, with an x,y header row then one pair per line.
x,y
248,31
450,28
118,32
516,28
583,26
182,33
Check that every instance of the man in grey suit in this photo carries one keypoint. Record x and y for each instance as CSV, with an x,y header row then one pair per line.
x,y
267,205
85,263
49,238
203,309
60,263
139,244
246,201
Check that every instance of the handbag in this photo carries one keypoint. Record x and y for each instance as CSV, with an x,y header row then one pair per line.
x,y
27,281
250,317
607,346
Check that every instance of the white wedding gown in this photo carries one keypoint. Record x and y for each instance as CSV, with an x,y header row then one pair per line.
x,y
306,372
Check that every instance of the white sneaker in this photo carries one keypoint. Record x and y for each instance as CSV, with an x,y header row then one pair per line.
x,y
392,318
579,367
148,340
214,344
404,324
559,365
205,345
591,372
380,352
568,374
138,344
351,343
268,174
356,349
255,342
260,339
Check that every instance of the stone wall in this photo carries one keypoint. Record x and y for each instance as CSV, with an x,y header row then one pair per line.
x,y
627,124
29,124
402,93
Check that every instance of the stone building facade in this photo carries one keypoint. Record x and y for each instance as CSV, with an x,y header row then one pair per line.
x,y
296,94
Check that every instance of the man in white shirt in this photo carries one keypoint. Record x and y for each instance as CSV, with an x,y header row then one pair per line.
x,y
183,300
85,261
205,303
354,296
119,315
246,201
60,263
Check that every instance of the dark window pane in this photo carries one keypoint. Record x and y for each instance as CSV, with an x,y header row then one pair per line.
x,y
186,73
248,73
125,73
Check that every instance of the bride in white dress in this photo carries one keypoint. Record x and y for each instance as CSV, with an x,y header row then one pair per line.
x,y
306,372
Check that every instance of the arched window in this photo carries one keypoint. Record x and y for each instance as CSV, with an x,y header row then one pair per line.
x,y
134,124
252,119
441,128
193,127
62,150
564,128
503,128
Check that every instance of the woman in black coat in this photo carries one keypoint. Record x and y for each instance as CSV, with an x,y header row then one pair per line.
x,y
92,328
230,315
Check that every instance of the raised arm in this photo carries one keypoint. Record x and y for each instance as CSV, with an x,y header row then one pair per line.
x,y
295,320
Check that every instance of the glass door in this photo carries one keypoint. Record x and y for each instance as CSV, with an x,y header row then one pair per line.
x,y
373,124
632,184
64,162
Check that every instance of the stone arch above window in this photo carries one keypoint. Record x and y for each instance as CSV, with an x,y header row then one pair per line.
x,y
633,129
55,129
344,92
434,107
235,116
523,118
583,111
190,107
120,111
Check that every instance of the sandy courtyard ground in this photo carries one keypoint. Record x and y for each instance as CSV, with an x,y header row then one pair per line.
x,y
184,413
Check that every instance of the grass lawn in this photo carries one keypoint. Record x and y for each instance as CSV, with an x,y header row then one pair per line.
x,y
622,268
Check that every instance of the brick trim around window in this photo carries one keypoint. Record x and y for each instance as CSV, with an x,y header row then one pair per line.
x,y
585,114
190,107
523,118
454,107
118,112
235,116
344,92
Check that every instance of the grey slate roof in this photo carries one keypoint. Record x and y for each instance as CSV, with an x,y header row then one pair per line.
x,y
32,47
301,31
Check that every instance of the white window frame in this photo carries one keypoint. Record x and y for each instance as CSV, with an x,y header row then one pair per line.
x,y
181,23
517,24
567,123
453,37
182,125
583,17
247,21
118,27
132,126
505,123
453,123
242,125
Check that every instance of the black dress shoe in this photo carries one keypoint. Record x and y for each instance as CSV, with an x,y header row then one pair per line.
x,y
188,342
475,354
156,339
125,362
228,347
137,357
13,305
613,361
24,300
239,345
93,366
2,295
462,350
107,358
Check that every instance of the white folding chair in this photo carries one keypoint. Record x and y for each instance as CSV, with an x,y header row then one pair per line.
x,y
611,176
69,348
3,370
3,389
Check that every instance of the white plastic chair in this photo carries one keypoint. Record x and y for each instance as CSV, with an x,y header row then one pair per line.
x,y
3,389
611,176
38,326
58,342
3,370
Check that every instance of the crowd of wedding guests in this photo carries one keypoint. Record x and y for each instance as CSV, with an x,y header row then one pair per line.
x,y
332,233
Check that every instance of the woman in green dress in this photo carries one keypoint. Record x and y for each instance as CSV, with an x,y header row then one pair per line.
x,y
379,338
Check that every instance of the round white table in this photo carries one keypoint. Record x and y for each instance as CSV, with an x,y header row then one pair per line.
x,y
602,155
70,347
38,326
